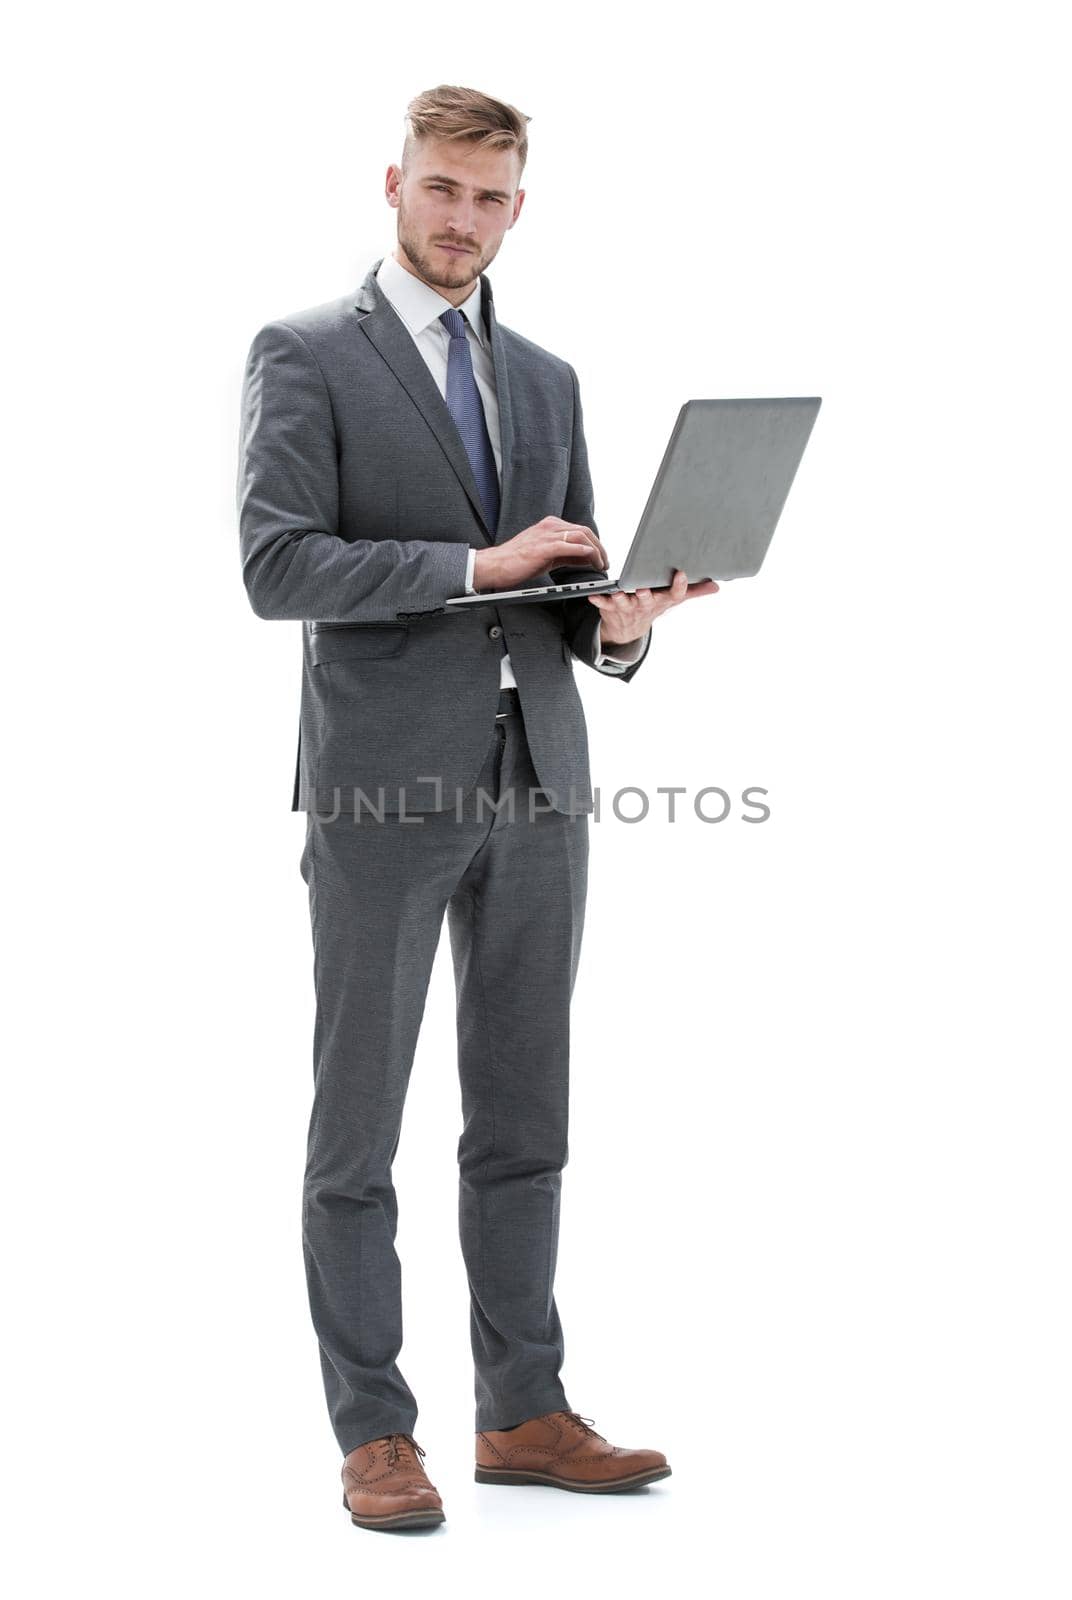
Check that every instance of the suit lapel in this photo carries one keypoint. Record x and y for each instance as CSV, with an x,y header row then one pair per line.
x,y
381,323
506,410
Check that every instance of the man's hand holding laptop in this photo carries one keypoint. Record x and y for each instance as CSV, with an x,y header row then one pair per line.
x,y
553,543
629,616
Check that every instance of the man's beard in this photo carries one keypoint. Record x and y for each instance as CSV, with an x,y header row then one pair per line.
x,y
442,271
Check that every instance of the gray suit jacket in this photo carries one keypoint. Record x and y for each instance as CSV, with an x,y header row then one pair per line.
x,y
357,510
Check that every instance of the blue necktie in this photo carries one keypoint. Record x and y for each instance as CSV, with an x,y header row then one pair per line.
x,y
463,400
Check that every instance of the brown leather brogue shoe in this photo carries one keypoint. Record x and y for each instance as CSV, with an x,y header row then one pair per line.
x,y
385,1485
563,1450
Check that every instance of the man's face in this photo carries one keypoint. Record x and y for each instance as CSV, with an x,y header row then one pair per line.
x,y
454,195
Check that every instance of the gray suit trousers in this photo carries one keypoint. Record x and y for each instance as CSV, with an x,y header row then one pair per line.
x,y
512,879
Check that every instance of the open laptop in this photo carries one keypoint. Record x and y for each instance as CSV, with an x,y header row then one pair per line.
x,y
714,505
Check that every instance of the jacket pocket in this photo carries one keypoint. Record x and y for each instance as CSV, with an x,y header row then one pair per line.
x,y
541,476
357,641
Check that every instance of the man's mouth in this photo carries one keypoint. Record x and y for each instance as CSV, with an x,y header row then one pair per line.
x,y
454,250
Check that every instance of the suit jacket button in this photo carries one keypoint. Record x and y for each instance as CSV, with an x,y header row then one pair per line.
x,y
493,633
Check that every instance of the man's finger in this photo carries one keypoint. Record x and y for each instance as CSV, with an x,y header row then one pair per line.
x,y
589,537
582,549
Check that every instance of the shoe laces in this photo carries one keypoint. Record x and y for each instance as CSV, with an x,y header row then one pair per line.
x,y
583,1423
392,1447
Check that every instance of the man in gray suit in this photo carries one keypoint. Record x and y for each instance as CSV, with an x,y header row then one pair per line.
x,y
399,447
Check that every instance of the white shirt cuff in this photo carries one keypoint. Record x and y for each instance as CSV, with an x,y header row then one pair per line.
x,y
623,654
470,568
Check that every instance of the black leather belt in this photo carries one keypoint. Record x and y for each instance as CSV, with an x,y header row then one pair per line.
x,y
509,703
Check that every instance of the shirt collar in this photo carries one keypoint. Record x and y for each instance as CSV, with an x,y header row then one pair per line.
x,y
418,304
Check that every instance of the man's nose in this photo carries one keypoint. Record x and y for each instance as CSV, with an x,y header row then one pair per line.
x,y
462,220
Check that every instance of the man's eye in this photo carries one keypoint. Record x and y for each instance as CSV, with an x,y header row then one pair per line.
x,y
442,187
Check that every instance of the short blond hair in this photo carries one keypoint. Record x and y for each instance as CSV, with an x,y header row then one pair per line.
x,y
451,112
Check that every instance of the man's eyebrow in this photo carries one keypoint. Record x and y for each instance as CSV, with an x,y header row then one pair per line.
x,y
439,177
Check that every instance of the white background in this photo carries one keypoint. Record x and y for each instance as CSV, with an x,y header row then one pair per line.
x,y
814,1235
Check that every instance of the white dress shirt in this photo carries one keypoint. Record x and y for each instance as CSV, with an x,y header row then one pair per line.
x,y
419,306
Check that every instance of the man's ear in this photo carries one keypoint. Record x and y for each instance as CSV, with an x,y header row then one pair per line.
x,y
518,202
